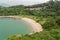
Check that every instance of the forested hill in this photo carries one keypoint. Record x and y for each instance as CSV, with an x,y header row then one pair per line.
x,y
53,6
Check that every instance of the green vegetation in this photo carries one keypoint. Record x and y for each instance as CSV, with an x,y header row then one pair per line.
x,y
48,17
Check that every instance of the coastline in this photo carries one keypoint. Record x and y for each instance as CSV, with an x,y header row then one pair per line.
x,y
36,27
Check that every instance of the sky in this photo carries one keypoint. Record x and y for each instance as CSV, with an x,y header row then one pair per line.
x,y
22,2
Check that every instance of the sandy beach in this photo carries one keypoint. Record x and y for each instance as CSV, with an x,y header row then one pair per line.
x,y
36,27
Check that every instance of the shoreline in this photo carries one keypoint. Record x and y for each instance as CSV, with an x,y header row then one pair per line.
x,y
36,27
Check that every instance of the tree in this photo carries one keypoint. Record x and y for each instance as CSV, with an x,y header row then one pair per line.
x,y
51,24
58,21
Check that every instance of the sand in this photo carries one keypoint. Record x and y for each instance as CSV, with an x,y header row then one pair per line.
x,y
36,27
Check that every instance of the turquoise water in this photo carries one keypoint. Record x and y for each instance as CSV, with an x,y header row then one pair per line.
x,y
9,26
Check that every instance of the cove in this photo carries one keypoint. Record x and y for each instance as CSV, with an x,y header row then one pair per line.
x,y
11,26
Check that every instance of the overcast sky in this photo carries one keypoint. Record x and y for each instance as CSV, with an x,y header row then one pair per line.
x,y
22,2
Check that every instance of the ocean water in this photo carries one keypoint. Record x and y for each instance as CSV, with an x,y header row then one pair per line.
x,y
10,26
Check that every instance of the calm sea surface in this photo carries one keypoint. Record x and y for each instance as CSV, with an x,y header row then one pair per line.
x,y
10,26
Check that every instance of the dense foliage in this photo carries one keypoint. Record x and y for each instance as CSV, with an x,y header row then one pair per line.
x,y
48,17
